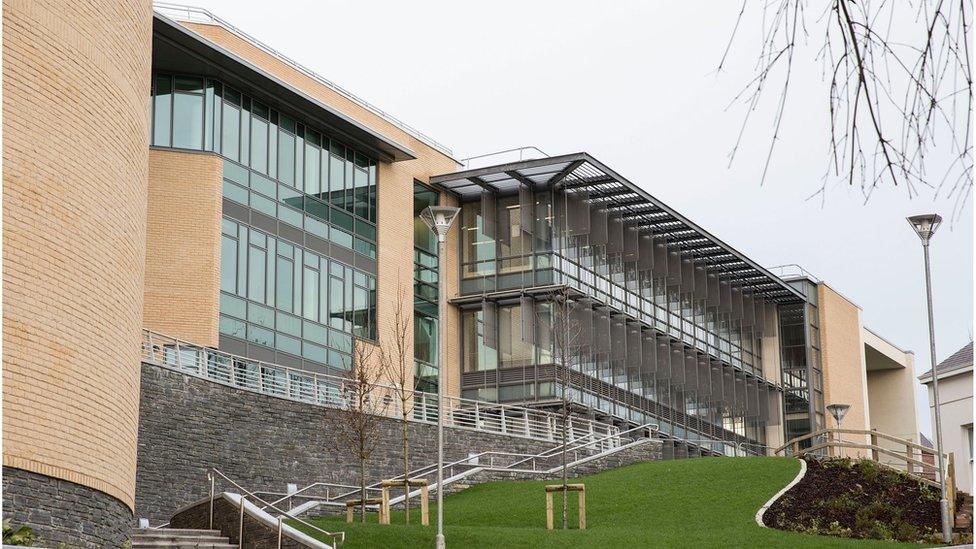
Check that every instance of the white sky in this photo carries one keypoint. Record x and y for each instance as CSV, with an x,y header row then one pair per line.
x,y
634,84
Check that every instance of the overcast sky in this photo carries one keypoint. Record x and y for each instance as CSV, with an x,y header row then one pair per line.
x,y
634,84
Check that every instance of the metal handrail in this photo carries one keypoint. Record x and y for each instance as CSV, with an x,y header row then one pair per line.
x,y
470,460
879,434
521,150
188,12
328,390
240,540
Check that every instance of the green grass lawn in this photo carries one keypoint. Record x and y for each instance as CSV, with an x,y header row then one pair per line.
x,y
684,503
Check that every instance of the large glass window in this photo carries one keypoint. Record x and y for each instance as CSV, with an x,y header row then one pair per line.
x,y
274,293
477,355
196,113
513,350
512,247
477,248
188,113
162,110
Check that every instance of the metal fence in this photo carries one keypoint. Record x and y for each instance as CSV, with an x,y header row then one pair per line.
x,y
335,391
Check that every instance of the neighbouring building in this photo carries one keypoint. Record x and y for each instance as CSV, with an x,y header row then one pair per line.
x,y
168,177
955,376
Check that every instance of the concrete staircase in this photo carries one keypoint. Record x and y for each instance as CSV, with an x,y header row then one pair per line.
x,y
150,538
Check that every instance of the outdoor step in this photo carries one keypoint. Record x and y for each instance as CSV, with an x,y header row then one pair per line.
x,y
150,538
176,531
185,544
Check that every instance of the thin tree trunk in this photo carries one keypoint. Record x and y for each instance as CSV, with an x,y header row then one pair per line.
x,y
565,465
362,490
406,466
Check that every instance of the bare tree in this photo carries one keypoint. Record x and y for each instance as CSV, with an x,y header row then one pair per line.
x,y
897,83
397,366
565,332
356,423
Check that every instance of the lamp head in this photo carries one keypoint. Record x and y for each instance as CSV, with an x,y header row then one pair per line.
x,y
925,225
439,219
838,411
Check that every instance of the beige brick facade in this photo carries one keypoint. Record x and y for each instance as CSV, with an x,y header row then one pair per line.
x,y
182,295
842,355
394,193
75,107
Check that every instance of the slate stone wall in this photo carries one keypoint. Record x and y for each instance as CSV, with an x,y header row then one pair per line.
x,y
60,511
188,424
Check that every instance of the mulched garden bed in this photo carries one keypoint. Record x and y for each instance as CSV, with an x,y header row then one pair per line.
x,y
857,499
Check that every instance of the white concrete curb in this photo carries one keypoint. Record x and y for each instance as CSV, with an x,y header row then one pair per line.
x,y
772,500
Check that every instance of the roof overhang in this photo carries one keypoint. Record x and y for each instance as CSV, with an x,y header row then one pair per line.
x,y
926,378
881,354
178,49
583,174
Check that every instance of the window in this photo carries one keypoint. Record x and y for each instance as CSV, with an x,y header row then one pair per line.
x,y
280,278
477,248
259,137
188,113
512,350
286,155
511,244
477,355
162,111
310,305
228,263
230,132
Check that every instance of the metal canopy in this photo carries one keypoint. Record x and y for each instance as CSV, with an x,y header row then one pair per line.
x,y
581,174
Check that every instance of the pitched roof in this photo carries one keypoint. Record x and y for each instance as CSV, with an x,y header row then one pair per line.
x,y
963,358
924,440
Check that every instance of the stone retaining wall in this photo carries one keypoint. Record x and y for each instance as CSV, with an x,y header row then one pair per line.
x,y
188,424
60,511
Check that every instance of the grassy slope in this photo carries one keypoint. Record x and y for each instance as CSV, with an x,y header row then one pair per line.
x,y
685,503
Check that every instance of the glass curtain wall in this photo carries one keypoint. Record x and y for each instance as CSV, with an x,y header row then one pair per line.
x,y
334,183
425,292
281,290
279,295
801,364
660,338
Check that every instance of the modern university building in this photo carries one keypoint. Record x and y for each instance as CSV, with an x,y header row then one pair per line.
x,y
189,212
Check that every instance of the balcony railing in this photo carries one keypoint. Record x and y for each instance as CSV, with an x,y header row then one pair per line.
x,y
332,391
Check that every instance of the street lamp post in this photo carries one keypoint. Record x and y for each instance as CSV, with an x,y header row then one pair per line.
x,y
439,219
925,226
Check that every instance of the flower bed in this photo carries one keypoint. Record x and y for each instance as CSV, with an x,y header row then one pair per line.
x,y
858,499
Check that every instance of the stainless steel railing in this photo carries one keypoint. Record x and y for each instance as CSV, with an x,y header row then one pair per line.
x,y
244,493
331,391
506,461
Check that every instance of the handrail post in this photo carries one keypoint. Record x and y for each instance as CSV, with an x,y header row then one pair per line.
x,y
240,530
179,356
874,449
279,532
152,347
504,427
477,416
212,482
909,455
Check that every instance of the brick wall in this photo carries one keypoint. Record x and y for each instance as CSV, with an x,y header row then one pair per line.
x,y
844,370
182,291
75,104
